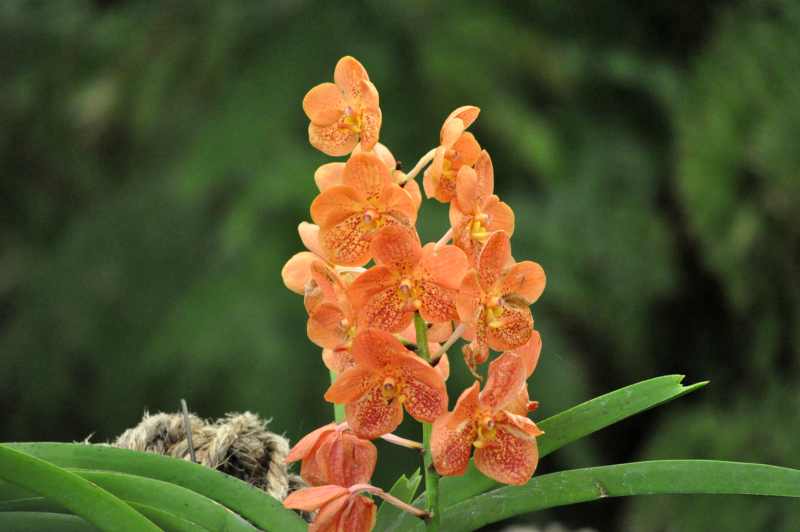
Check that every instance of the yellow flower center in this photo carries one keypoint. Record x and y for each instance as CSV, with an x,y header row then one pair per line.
x,y
392,389
478,230
409,292
487,431
352,120
493,312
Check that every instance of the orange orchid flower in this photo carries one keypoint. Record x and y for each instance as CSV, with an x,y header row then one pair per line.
x,y
476,212
457,148
331,174
505,442
344,112
494,298
387,377
407,278
340,510
350,214
334,455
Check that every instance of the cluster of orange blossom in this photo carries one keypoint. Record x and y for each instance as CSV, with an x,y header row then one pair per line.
x,y
363,318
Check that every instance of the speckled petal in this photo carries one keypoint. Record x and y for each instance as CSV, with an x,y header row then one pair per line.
x,y
453,433
398,248
336,204
530,351
387,311
438,302
371,120
372,415
346,459
328,517
509,458
423,388
468,298
516,328
334,139
445,266
368,284
485,171
493,259
348,75
346,243
506,380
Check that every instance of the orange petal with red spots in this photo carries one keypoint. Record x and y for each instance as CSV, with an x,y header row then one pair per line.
x,y
398,248
311,499
328,282
515,329
336,204
387,311
296,272
437,302
494,257
307,443
329,175
366,173
357,516
348,75
424,389
467,113
468,298
368,284
506,380
352,384
346,243
525,279
337,360
453,433
375,349
325,327
445,266
334,139
324,104
507,458
373,415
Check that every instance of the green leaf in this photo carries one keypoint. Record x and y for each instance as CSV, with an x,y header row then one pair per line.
x,y
43,522
251,503
404,489
622,480
566,427
74,493
160,517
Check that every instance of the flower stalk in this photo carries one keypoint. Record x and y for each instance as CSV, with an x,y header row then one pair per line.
x,y
431,476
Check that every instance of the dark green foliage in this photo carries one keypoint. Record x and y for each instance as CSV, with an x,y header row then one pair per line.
x,y
155,165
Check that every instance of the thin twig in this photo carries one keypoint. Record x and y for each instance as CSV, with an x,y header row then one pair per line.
x,y
450,341
422,163
187,426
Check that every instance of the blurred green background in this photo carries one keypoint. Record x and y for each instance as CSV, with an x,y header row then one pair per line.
x,y
155,165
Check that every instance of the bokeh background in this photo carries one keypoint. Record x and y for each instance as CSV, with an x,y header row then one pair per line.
x,y
155,164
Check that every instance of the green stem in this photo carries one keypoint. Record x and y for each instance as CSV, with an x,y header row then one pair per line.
x,y
431,477
338,410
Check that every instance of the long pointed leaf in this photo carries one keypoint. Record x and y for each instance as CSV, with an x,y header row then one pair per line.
x,y
567,427
74,493
638,478
43,522
404,489
251,503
